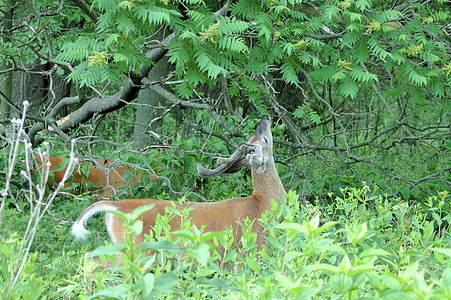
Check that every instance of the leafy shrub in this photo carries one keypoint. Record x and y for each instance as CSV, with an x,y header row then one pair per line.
x,y
22,284
362,246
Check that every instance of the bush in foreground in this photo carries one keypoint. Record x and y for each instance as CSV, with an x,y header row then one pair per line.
x,y
360,246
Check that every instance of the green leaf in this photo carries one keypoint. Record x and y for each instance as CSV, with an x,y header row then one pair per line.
x,y
252,263
106,250
164,284
206,64
325,74
290,255
137,227
373,252
307,292
162,245
210,235
140,210
398,56
264,26
361,269
326,226
234,44
324,267
284,281
331,12
377,49
414,76
361,52
298,227
445,251
153,15
356,233
232,26
340,75
126,24
113,292
392,281
363,76
345,264
335,248
363,5
120,57
289,75
147,284
341,283
446,279
186,234
348,88
288,48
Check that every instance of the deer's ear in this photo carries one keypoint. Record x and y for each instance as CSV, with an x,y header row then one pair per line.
x,y
236,166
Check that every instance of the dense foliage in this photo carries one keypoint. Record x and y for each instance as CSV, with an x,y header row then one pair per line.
x,y
361,87
359,93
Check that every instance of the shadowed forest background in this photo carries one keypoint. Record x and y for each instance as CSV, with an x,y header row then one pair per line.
x,y
358,93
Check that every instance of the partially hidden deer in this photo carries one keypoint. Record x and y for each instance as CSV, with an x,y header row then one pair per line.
x,y
103,179
257,153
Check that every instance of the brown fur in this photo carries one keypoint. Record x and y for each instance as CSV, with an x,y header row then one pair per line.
x,y
215,215
106,185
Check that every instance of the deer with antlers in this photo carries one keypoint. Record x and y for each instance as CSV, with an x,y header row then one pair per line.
x,y
257,153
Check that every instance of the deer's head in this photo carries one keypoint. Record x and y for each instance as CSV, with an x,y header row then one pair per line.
x,y
255,153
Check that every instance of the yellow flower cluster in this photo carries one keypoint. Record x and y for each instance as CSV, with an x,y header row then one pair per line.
x,y
300,45
344,5
428,20
374,26
98,59
210,33
345,65
447,69
272,2
414,50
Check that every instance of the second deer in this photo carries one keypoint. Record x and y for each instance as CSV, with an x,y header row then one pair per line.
x,y
103,178
257,153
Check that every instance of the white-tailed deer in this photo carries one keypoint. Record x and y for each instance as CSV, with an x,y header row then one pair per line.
x,y
103,178
216,216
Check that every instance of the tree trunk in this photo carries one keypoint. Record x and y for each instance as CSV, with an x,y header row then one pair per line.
x,y
150,106
6,89
6,78
43,92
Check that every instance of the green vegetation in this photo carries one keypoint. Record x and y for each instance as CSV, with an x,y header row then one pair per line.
x,y
359,95
360,245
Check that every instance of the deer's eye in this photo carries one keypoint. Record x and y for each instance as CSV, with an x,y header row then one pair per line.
x,y
265,139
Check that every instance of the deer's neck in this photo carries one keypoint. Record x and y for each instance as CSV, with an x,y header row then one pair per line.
x,y
268,185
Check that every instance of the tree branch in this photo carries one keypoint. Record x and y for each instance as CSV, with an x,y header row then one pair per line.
x,y
87,10
175,100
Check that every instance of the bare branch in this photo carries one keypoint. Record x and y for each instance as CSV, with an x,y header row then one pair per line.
x,y
175,100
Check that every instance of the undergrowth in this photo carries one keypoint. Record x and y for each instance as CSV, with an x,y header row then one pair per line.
x,y
359,246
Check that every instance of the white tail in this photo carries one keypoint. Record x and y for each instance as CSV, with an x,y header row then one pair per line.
x,y
105,178
256,153
78,229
